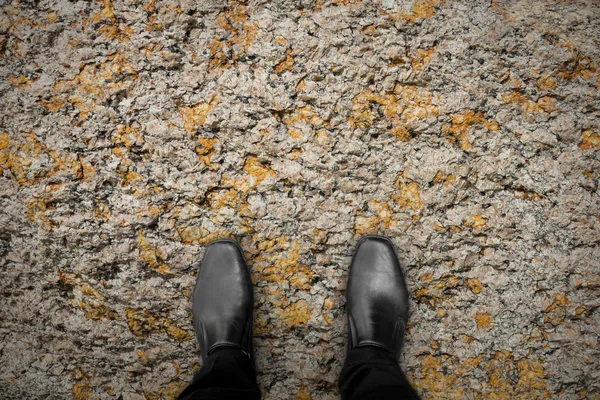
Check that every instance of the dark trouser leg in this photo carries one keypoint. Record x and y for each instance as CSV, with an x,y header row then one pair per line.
x,y
373,373
227,374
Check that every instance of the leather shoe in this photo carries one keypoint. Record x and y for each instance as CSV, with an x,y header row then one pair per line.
x,y
223,299
376,297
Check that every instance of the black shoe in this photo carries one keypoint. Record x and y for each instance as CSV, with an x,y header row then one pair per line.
x,y
377,298
223,299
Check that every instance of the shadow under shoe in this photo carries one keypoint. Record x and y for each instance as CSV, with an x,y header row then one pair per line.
x,y
223,300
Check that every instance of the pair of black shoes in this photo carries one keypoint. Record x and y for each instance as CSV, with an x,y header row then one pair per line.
x,y
377,298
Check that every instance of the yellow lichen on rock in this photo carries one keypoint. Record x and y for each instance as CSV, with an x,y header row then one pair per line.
x,y
295,313
381,219
418,9
544,104
483,320
457,130
234,20
396,109
81,389
474,285
257,171
286,64
95,82
589,140
54,104
128,136
142,323
23,154
408,195
277,268
194,116
433,378
150,254
19,81
475,222
205,148
435,292
278,262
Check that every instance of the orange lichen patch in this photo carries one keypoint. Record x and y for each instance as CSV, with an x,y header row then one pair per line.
x,y
421,58
20,81
457,130
205,148
234,19
127,171
128,136
589,140
382,218
531,377
281,263
280,40
52,105
474,285
171,390
405,104
543,104
546,82
121,32
153,256
368,31
295,313
86,298
514,96
444,179
287,64
496,369
401,132
150,6
561,300
483,320
36,212
300,85
426,277
579,66
437,290
96,82
278,268
141,355
81,389
23,155
200,235
433,377
556,312
418,9
408,193
475,222
507,378
143,323
303,392
501,369
438,228
302,116
257,171
106,12
29,160
194,117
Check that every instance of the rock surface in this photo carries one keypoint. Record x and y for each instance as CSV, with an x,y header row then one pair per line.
x,y
134,132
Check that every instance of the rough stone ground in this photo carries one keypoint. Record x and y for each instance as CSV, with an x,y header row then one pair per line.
x,y
134,132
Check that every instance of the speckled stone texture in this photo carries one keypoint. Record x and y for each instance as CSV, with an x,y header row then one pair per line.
x,y
134,132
